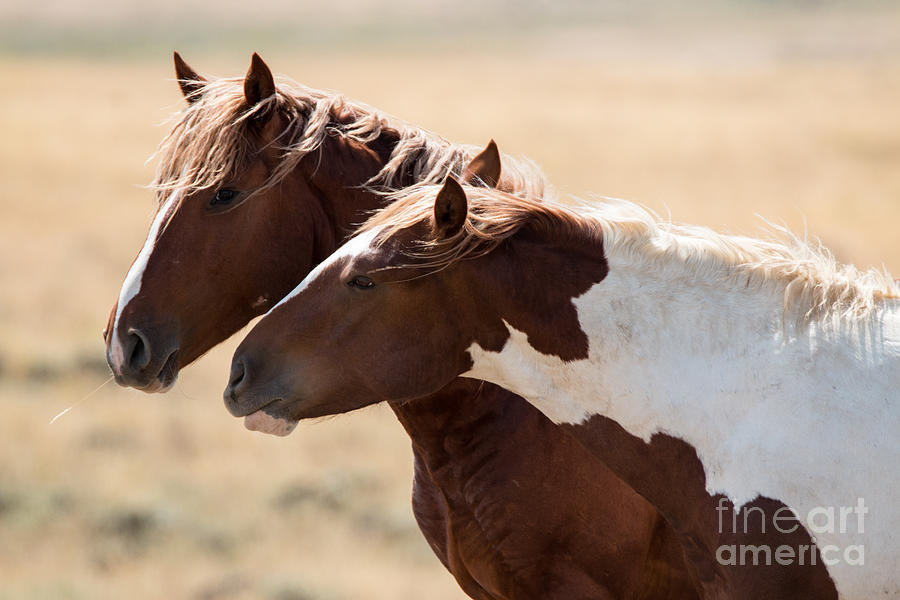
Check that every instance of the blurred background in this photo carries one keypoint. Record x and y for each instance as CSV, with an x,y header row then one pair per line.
x,y
714,111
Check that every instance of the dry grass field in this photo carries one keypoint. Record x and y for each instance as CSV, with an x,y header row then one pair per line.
x,y
792,117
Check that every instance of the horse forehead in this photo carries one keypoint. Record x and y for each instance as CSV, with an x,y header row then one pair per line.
x,y
358,246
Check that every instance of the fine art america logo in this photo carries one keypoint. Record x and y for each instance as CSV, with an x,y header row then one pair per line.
x,y
821,520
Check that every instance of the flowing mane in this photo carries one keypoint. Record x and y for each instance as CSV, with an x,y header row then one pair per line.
x,y
211,142
813,283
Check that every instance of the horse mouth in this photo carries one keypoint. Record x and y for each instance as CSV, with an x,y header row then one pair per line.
x,y
165,379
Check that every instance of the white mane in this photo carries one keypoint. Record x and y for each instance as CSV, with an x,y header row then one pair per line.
x,y
814,283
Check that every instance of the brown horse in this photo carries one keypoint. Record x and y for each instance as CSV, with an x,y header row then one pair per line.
x,y
727,379
258,184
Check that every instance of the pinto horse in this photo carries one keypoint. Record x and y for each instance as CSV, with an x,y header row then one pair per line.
x,y
257,184
747,388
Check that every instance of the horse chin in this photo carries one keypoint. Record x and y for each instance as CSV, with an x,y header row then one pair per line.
x,y
158,386
161,384
263,422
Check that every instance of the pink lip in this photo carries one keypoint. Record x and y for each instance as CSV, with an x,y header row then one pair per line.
x,y
265,423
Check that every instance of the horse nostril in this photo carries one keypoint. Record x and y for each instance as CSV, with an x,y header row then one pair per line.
x,y
238,371
137,347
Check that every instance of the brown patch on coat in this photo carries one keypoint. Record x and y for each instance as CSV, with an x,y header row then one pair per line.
x,y
668,472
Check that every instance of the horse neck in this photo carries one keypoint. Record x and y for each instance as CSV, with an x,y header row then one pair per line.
x,y
462,410
712,365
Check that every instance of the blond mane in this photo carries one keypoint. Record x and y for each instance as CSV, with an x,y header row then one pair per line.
x,y
211,141
813,283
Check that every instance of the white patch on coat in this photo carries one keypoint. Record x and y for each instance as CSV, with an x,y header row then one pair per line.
x,y
133,279
809,417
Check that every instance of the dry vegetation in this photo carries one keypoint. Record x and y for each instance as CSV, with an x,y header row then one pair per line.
x,y
130,494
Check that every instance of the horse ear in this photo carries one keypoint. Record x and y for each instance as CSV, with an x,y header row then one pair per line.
x,y
188,80
259,83
450,209
484,168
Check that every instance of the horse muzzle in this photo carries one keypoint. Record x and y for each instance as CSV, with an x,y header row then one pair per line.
x,y
259,407
142,361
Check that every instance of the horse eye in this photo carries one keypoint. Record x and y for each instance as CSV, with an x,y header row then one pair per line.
x,y
362,282
223,196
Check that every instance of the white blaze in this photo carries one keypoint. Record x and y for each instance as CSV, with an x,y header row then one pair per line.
x,y
132,284
355,247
